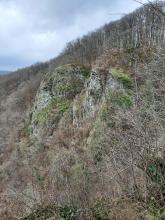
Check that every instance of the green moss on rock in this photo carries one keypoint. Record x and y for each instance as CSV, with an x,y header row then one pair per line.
x,y
121,99
56,93
58,106
122,77
68,68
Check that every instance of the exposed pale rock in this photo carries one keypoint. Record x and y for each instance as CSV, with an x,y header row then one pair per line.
x,y
55,96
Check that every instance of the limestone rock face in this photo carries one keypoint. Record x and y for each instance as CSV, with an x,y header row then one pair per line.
x,y
94,91
96,87
55,96
71,89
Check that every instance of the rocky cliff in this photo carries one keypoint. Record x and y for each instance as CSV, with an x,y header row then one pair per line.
x,y
87,131
85,140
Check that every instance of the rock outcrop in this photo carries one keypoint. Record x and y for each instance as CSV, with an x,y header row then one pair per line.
x,y
71,88
54,97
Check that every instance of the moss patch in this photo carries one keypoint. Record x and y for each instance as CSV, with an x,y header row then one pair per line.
x,y
98,141
74,68
58,106
122,77
41,213
85,72
156,170
70,90
67,213
107,116
121,99
101,209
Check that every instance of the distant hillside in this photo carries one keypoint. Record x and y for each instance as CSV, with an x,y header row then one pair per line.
x,y
3,72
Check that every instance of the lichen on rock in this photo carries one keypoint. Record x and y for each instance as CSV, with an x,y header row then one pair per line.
x,y
55,96
96,87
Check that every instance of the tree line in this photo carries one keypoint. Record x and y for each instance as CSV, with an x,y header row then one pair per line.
x,y
145,27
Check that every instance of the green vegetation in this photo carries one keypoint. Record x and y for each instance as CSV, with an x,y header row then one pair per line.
x,y
121,99
106,115
101,209
74,68
155,170
122,77
98,141
85,72
156,216
153,207
60,106
72,89
98,153
130,50
71,82
62,69
41,213
63,106
67,213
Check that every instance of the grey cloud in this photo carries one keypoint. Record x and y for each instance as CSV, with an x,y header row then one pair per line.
x,y
60,12
37,30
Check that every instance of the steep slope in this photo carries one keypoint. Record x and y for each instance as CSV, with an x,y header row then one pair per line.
x,y
99,148
17,92
89,142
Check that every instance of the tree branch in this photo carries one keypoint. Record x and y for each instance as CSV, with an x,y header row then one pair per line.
x,y
153,6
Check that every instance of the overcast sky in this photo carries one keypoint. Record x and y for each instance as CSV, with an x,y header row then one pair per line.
x,y
37,30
